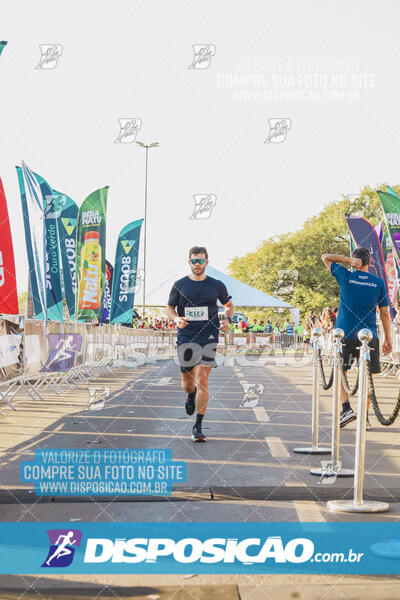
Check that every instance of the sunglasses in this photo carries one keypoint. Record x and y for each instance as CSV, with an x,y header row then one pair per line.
x,y
199,261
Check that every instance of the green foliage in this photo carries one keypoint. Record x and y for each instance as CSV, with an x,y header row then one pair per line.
x,y
299,255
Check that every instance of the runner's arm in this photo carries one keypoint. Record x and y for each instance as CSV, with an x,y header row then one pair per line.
x,y
229,312
173,316
229,309
328,259
171,312
385,318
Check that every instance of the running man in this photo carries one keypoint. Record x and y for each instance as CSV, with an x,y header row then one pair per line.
x,y
62,549
195,298
360,294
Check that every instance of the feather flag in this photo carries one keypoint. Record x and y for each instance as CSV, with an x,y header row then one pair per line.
x,y
8,282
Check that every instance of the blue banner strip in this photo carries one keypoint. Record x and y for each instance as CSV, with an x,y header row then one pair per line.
x,y
334,548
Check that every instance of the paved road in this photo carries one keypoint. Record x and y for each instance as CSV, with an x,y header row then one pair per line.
x,y
248,462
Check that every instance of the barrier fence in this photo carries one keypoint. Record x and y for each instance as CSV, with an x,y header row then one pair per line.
x,y
38,356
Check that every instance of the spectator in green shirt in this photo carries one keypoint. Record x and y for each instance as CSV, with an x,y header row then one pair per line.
x,y
299,329
254,327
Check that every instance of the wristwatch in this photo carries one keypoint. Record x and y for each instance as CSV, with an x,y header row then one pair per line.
x,y
228,319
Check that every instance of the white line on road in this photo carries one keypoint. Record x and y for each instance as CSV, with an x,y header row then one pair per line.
x,y
162,381
308,511
261,414
295,484
277,448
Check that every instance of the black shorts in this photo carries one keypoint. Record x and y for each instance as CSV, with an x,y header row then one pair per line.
x,y
350,352
191,354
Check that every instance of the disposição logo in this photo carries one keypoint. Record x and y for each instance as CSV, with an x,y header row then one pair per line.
x,y
63,543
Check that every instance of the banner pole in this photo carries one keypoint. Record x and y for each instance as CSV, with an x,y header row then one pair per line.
x,y
144,237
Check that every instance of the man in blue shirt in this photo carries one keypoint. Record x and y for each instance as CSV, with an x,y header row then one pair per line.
x,y
195,298
269,328
360,295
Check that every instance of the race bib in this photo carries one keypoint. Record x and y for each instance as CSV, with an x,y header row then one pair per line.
x,y
196,313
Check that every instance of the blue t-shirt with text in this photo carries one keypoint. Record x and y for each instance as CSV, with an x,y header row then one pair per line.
x,y
197,302
360,294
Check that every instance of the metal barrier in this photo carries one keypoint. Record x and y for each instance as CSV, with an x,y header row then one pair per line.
x,y
358,504
335,468
59,357
314,448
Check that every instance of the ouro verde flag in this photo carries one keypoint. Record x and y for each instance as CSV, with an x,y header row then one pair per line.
x,y
124,277
42,243
90,256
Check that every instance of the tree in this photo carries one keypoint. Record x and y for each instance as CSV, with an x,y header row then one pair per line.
x,y
290,265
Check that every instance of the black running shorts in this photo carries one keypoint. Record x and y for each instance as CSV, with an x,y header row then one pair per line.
x,y
351,352
191,354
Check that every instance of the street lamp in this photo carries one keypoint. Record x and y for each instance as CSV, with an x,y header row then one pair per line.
x,y
146,146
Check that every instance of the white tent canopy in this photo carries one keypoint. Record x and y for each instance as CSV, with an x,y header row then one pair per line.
x,y
242,294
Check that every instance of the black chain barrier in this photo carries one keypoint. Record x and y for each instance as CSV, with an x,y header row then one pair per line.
x,y
325,386
350,391
382,420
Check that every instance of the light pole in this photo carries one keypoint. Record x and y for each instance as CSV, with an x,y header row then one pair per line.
x,y
146,146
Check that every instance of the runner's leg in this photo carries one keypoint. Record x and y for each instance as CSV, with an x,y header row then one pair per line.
x,y
188,380
344,397
203,373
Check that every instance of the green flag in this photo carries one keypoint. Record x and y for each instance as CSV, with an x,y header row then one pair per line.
x,y
391,212
2,46
90,256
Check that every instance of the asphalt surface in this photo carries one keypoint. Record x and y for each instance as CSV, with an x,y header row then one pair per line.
x,y
247,469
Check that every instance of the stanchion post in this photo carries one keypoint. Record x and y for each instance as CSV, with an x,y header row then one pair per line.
x,y
335,469
358,504
315,449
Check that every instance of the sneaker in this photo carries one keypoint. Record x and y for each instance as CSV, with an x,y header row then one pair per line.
x,y
198,435
346,417
368,426
190,404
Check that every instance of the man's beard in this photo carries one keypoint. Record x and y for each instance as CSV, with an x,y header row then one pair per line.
x,y
198,272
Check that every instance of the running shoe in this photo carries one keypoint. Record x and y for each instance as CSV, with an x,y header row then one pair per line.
x,y
368,426
198,435
347,416
190,404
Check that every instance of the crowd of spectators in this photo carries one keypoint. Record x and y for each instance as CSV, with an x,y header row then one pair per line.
x,y
153,323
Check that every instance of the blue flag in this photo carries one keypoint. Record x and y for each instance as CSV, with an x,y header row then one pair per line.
x,y
364,235
54,304
42,242
124,278
67,219
32,211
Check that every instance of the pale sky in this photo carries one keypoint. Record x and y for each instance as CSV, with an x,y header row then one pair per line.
x,y
333,67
